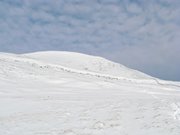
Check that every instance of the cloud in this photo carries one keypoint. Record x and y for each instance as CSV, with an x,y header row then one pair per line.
x,y
138,33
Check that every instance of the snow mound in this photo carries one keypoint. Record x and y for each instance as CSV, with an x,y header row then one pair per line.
x,y
85,62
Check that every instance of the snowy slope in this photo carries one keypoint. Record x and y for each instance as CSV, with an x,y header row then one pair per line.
x,y
63,93
87,63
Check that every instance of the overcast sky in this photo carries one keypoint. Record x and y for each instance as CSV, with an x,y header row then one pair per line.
x,y
141,34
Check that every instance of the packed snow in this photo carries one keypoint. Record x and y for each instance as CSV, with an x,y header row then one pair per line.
x,y
65,93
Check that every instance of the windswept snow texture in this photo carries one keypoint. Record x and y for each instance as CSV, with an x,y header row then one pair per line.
x,y
64,93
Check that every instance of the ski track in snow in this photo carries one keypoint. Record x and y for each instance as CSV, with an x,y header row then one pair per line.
x,y
176,108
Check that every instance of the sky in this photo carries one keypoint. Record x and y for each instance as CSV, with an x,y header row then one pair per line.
x,y
140,34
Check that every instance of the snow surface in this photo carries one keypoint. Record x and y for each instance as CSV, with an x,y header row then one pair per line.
x,y
65,93
87,63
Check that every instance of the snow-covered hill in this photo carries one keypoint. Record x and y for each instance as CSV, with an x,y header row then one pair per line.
x,y
65,93
87,63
